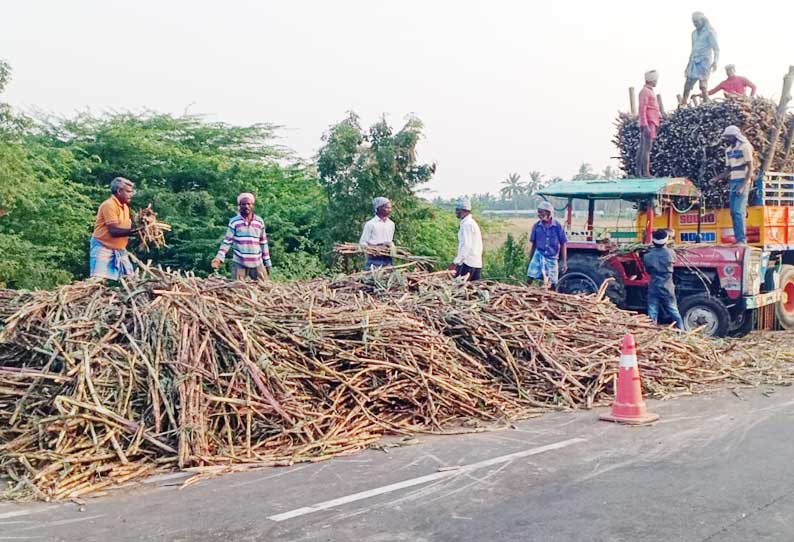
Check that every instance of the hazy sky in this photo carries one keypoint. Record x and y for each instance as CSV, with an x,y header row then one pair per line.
x,y
501,86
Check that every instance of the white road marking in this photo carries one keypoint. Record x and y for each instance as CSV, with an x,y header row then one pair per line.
x,y
421,480
27,512
60,522
165,477
260,479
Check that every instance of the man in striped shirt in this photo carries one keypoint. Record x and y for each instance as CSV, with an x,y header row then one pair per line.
x,y
247,238
738,172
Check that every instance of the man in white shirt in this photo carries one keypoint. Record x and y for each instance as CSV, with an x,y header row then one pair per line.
x,y
378,231
469,258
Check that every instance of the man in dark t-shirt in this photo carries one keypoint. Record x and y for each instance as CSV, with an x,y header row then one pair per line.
x,y
661,290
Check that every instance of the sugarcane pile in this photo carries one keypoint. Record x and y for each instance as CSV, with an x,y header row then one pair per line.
x,y
688,143
151,232
11,301
394,251
103,385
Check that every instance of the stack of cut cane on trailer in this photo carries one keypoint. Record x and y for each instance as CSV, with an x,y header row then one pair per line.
x,y
688,143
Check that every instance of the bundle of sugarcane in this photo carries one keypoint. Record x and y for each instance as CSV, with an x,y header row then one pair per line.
x,y
688,143
11,301
393,251
99,386
151,231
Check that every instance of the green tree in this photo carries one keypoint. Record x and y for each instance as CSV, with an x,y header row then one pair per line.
x,y
508,263
535,183
585,173
611,173
356,165
42,215
512,189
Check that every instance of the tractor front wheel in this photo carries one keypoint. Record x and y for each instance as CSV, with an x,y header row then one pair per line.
x,y
707,313
586,274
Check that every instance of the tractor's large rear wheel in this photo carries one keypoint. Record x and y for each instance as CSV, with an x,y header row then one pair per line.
x,y
784,309
585,276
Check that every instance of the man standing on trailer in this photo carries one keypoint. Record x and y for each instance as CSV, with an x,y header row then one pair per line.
x,y
649,119
703,58
379,232
739,172
468,260
661,290
734,85
547,241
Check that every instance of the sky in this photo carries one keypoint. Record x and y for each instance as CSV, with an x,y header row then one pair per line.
x,y
501,86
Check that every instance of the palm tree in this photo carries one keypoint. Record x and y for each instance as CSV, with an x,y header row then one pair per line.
x,y
585,173
535,183
512,189
611,173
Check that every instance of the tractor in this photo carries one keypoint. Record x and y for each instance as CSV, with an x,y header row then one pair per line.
x,y
722,288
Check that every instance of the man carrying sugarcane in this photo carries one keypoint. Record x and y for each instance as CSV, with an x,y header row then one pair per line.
x,y
703,58
468,261
112,229
547,241
739,172
649,119
247,238
658,263
378,232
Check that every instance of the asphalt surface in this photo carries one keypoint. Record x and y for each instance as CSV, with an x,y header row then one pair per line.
x,y
714,468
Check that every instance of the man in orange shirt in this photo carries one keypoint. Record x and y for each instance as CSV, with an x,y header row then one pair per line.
x,y
112,230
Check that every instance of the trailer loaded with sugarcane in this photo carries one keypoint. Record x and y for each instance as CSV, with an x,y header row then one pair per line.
x,y
722,288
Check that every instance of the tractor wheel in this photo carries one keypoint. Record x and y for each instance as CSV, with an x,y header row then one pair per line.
x,y
706,312
585,276
784,309
744,324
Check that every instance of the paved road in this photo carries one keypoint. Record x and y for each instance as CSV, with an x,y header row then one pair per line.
x,y
715,468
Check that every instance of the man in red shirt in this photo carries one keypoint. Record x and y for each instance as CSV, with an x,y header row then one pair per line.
x,y
734,85
649,119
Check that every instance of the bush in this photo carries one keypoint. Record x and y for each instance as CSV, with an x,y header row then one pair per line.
x,y
509,262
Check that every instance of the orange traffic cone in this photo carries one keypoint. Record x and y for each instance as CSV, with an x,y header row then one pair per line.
x,y
629,406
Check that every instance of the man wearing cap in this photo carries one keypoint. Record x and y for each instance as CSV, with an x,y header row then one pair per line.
x,y
378,232
247,237
739,172
649,119
661,289
734,85
468,260
108,258
547,241
703,58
